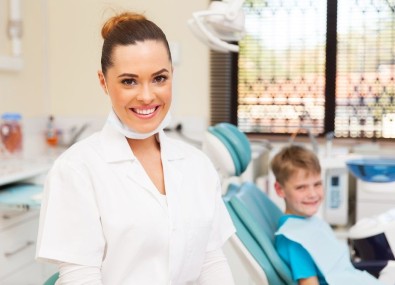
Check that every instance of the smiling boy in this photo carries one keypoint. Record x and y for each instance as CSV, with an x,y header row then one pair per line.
x,y
306,243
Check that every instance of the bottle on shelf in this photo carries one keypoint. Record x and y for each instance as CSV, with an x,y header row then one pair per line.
x,y
51,135
11,134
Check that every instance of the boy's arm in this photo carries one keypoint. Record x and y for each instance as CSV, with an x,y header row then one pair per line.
x,y
309,281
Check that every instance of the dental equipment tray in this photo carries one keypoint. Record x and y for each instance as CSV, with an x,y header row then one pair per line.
x,y
378,169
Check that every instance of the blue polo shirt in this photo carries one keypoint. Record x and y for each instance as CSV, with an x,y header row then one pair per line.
x,y
296,257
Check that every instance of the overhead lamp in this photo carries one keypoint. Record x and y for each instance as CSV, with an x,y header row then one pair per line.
x,y
220,26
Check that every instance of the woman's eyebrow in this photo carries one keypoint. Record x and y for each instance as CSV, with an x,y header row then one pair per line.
x,y
135,75
128,75
160,71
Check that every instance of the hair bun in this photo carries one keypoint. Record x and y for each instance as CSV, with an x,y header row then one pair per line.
x,y
114,21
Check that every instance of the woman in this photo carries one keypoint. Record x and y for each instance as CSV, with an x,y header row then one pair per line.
x,y
129,205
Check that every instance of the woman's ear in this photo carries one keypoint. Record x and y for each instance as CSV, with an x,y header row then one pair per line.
x,y
279,189
102,81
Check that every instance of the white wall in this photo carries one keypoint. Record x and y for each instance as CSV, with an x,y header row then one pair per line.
x,y
62,46
23,91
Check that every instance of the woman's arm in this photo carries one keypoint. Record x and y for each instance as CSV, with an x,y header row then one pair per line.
x,y
215,269
74,274
309,281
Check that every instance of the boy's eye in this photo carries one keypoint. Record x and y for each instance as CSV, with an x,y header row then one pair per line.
x,y
128,81
302,187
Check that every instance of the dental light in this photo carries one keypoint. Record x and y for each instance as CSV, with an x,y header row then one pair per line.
x,y
221,24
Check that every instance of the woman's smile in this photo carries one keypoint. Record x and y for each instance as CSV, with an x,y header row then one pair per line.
x,y
145,112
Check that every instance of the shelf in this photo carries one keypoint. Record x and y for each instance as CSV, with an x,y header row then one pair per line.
x,y
9,63
16,170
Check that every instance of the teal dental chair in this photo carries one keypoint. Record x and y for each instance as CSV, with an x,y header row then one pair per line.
x,y
259,216
254,215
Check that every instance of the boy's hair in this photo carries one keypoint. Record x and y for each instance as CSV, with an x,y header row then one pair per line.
x,y
292,158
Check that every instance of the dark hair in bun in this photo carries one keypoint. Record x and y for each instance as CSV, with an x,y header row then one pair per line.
x,y
126,29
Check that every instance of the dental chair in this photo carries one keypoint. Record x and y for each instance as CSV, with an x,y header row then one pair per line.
x,y
254,215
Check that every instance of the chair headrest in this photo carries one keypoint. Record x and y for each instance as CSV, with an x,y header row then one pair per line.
x,y
228,148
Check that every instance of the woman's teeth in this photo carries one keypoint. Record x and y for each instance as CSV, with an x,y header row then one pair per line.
x,y
144,111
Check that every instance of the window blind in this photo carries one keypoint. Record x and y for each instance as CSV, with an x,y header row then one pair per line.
x,y
365,91
281,68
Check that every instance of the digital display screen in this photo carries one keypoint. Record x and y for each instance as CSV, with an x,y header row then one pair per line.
x,y
335,181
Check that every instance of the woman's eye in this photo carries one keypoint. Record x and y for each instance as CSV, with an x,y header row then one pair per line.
x,y
160,78
128,81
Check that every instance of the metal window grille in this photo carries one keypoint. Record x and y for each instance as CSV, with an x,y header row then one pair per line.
x,y
282,70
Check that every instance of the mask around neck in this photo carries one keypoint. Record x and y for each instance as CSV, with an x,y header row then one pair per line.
x,y
114,121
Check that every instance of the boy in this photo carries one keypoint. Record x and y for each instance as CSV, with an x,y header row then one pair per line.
x,y
307,244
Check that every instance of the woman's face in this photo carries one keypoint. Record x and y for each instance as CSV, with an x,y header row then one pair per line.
x,y
140,84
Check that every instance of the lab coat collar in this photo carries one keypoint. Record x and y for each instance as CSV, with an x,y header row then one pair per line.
x,y
116,148
114,145
169,148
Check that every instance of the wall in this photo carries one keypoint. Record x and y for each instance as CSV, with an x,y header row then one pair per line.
x,y
62,45
24,91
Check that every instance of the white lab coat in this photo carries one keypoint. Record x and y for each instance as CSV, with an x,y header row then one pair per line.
x,y
101,209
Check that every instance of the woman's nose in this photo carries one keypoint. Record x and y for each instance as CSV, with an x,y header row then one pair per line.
x,y
146,94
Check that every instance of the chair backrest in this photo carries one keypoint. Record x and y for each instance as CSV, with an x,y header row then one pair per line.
x,y
228,148
246,247
254,215
256,221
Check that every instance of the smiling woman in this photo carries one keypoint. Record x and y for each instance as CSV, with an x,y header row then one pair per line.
x,y
140,90
129,205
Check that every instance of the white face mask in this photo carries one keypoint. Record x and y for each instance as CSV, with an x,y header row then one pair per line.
x,y
114,120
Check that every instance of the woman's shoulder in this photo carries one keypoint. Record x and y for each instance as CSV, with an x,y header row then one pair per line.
x,y
186,148
80,150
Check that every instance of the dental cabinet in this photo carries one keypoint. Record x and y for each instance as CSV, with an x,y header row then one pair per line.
x,y
19,222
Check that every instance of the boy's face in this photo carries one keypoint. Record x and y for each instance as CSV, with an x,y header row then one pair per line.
x,y
303,193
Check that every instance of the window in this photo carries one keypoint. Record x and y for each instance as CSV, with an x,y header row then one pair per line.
x,y
365,69
316,65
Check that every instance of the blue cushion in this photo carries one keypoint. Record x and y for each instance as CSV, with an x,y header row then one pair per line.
x,y
259,215
267,212
236,142
239,142
229,147
251,244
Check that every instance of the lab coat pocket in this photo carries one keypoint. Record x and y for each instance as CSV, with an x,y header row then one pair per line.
x,y
198,237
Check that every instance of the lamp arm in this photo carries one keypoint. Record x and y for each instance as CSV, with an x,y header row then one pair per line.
x,y
234,8
209,34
